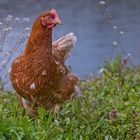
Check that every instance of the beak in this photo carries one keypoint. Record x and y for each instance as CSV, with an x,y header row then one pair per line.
x,y
57,21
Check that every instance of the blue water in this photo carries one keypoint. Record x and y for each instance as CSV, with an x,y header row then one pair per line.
x,y
92,24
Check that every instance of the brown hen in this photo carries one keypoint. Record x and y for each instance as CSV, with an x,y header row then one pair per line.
x,y
39,74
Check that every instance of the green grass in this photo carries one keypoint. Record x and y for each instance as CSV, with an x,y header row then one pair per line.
x,y
108,110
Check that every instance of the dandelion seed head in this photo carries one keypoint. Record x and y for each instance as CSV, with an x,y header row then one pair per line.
x,y
102,2
17,19
121,32
5,30
9,28
8,19
115,43
10,16
27,29
26,19
129,54
115,27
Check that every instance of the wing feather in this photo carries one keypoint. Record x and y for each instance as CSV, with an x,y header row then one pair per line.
x,y
62,47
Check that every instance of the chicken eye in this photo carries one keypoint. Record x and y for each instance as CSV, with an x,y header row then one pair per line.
x,y
49,17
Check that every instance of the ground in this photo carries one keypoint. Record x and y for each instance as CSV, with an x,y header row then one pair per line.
x,y
108,110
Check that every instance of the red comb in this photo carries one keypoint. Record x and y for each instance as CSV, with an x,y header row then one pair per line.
x,y
53,11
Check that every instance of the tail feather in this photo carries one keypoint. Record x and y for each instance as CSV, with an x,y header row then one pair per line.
x,y
77,91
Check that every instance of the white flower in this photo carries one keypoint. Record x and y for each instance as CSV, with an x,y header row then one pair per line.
x,y
9,28
26,19
101,70
8,19
115,43
129,54
5,30
115,27
10,16
27,29
102,2
121,32
17,19
32,86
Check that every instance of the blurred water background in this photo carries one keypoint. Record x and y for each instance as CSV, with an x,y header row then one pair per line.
x,y
102,29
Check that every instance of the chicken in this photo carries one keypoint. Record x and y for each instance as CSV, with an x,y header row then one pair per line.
x,y
39,75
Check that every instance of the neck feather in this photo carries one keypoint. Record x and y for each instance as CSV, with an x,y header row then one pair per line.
x,y
40,39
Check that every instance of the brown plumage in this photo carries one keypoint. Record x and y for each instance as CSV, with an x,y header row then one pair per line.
x,y
39,74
